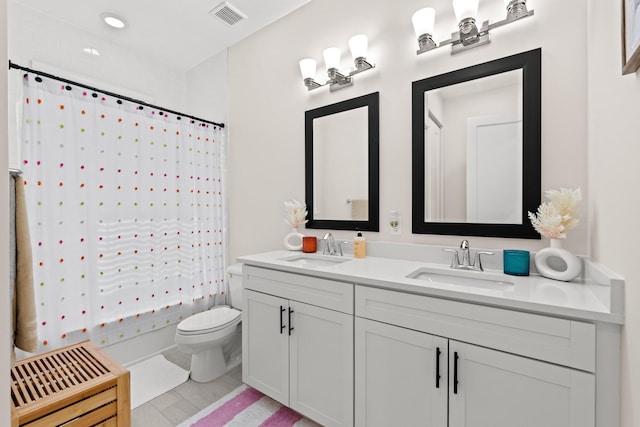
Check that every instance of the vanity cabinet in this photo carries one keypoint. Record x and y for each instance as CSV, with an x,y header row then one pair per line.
x,y
400,376
371,345
433,362
297,337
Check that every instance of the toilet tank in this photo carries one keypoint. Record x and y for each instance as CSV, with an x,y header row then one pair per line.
x,y
234,275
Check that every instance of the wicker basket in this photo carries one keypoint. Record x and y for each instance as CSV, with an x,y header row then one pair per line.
x,y
74,386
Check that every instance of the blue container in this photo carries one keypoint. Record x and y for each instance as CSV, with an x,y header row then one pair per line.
x,y
516,262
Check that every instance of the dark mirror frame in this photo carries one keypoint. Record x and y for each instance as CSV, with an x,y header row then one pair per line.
x,y
530,63
373,103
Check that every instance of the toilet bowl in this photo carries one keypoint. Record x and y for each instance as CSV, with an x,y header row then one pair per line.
x,y
210,335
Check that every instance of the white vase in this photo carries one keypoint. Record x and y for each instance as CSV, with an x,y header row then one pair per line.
x,y
293,240
557,263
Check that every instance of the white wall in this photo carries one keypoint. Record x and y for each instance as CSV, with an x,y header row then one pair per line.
x,y
207,89
614,152
267,101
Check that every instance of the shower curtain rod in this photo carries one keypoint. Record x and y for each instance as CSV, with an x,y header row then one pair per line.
x,y
115,95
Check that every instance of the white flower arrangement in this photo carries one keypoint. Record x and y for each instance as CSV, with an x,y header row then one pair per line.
x,y
295,213
559,215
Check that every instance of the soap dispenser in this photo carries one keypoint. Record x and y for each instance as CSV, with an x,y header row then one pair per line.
x,y
359,246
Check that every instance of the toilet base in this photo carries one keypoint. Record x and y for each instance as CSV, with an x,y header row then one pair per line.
x,y
208,365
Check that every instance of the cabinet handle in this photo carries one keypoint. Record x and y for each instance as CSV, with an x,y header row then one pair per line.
x,y
455,372
290,328
438,352
282,326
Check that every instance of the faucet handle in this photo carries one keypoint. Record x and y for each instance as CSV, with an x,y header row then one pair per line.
x,y
477,262
464,244
338,246
455,261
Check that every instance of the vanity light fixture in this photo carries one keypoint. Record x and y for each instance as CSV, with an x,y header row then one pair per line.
x,y
358,45
469,35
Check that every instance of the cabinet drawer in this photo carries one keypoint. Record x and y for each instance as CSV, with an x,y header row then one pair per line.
x,y
311,290
562,341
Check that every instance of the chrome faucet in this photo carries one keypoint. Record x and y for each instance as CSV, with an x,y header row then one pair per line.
x,y
466,263
464,247
331,246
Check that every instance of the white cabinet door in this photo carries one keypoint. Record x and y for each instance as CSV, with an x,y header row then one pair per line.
x,y
321,364
400,376
497,389
265,344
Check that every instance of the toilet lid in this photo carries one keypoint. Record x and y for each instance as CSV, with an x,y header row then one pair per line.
x,y
209,321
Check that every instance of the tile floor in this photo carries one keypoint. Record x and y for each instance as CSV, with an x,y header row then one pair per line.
x,y
175,406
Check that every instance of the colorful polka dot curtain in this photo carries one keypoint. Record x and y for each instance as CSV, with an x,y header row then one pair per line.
x,y
126,213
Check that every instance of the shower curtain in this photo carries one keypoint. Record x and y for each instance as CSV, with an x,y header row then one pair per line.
x,y
126,212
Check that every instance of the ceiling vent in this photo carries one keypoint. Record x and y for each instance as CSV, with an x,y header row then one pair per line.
x,y
227,13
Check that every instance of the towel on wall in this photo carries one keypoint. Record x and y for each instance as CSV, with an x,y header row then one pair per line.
x,y
360,209
23,302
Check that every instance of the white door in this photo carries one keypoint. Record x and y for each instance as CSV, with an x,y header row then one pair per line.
x,y
321,363
496,389
494,169
401,376
265,344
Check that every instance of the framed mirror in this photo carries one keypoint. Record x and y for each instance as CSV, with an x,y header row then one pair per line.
x,y
342,165
476,149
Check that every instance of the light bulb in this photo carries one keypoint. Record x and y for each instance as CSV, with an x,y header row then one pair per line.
x,y
424,21
358,46
465,9
331,57
308,68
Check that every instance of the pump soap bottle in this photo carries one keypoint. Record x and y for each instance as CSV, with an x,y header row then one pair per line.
x,y
359,246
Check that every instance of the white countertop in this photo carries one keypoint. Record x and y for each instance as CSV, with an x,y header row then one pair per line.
x,y
598,296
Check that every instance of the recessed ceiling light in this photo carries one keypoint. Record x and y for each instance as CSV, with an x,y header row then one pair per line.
x,y
91,51
113,20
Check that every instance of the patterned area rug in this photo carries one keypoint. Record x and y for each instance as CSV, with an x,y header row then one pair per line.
x,y
246,407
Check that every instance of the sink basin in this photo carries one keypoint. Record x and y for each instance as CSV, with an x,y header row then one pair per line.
x,y
462,277
314,260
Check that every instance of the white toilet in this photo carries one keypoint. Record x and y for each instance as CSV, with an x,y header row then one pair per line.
x,y
213,337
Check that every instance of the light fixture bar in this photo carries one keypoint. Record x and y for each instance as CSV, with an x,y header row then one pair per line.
x,y
476,37
361,65
516,10
336,79
469,35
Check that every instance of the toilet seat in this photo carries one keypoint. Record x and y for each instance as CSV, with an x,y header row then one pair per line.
x,y
209,321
